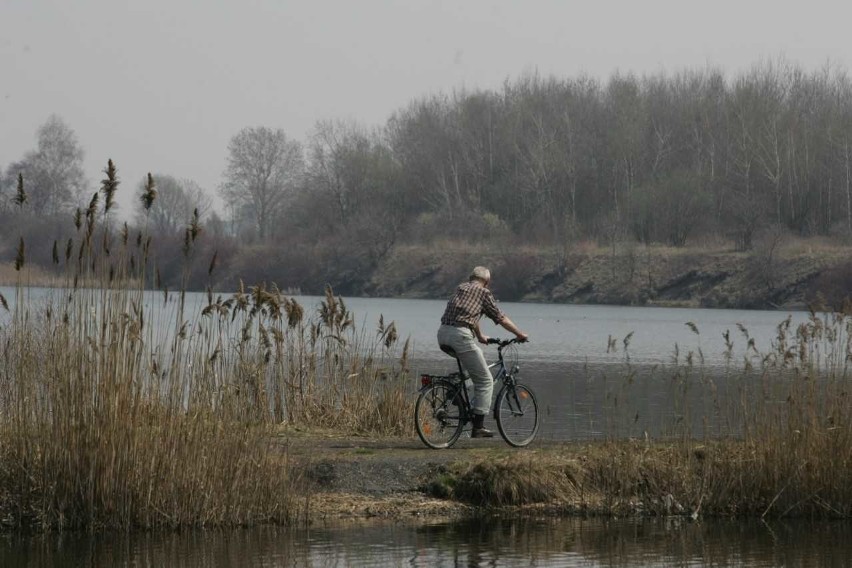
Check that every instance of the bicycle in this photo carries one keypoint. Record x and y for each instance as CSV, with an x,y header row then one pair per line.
x,y
443,407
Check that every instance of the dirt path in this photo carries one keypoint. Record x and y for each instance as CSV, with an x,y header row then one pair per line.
x,y
359,477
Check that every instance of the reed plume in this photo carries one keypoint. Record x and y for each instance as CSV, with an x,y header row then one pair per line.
x,y
20,195
109,186
149,194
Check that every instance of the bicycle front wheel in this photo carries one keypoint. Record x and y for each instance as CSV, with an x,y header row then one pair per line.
x,y
438,415
517,415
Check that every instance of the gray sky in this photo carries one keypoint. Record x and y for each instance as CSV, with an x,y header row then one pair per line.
x,y
162,85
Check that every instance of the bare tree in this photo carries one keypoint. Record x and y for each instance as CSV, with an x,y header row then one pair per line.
x,y
332,148
263,166
174,206
53,171
628,121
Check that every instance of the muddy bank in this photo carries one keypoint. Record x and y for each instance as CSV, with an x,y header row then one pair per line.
x,y
783,278
788,276
357,478
352,478
397,478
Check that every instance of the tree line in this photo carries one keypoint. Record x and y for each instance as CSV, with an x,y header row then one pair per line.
x,y
674,158
662,158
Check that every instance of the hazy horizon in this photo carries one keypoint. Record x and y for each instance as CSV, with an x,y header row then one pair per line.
x,y
163,86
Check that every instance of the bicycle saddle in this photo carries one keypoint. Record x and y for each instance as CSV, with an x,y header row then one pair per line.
x,y
449,351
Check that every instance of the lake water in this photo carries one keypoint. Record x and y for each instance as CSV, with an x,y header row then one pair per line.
x,y
589,387
564,333
493,543
588,384
559,333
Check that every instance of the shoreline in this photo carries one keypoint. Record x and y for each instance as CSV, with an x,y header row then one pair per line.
x,y
366,478
800,273
53,284
361,478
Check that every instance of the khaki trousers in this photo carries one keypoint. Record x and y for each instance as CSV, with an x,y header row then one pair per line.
x,y
463,342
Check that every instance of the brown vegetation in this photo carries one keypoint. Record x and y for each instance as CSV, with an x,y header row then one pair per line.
x,y
782,447
714,478
119,411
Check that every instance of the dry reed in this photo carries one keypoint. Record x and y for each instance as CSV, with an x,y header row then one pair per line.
x,y
118,411
769,435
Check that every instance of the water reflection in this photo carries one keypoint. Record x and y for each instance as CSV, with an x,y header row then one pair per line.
x,y
529,542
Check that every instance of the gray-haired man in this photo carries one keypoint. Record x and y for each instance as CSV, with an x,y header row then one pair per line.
x,y
460,330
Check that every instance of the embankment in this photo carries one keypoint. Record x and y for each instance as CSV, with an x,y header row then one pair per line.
x,y
787,277
357,478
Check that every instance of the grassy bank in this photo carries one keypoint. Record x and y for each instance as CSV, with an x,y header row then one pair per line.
x,y
112,418
776,444
36,277
719,479
121,408
780,444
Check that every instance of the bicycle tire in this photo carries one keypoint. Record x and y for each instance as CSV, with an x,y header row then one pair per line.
x,y
517,415
438,421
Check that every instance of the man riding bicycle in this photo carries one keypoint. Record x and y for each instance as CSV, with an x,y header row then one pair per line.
x,y
459,331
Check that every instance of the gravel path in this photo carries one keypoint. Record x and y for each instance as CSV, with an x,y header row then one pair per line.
x,y
368,466
353,477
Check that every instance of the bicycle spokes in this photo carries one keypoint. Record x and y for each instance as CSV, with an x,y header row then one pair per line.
x,y
517,415
438,420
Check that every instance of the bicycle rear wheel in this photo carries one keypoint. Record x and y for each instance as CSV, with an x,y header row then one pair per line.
x,y
439,415
517,415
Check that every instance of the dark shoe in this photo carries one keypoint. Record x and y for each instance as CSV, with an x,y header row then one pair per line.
x,y
481,433
479,430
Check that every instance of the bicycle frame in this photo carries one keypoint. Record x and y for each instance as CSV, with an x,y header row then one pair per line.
x,y
507,376
503,374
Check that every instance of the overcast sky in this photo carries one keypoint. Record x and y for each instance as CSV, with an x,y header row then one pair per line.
x,y
162,85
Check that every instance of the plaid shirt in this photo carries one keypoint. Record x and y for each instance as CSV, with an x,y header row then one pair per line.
x,y
468,304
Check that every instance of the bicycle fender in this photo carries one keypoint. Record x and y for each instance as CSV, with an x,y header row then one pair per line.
x,y
435,382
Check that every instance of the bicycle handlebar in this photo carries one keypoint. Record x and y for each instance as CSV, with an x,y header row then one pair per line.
x,y
504,342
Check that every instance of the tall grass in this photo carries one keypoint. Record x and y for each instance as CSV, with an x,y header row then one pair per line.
x,y
121,407
767,435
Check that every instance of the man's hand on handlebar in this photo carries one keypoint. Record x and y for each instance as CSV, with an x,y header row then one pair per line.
x,y
504,342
